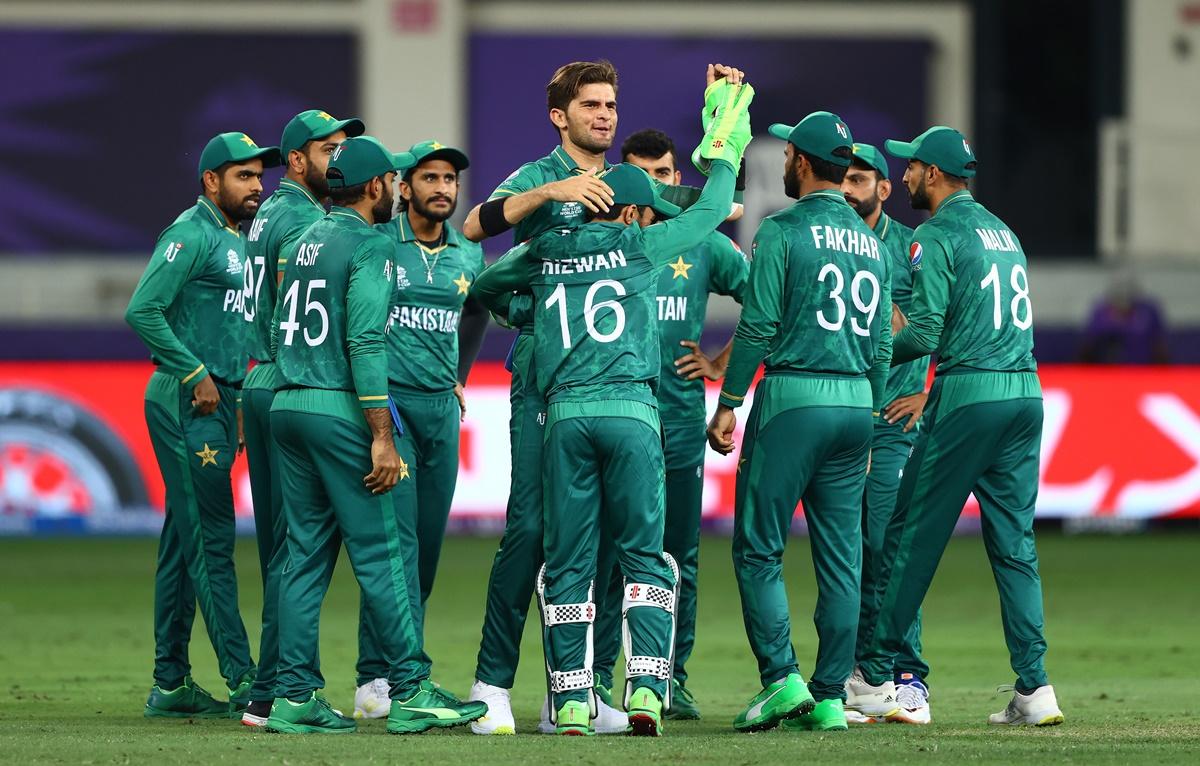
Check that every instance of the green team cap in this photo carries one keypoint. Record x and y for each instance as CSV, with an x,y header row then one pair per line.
x,y
633,186
236,147
313,124
357,160
941,146
434,150
821,134
869,155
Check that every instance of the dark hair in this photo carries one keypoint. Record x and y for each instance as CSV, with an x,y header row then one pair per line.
x,y
648,143
567,81
613,213
954,180
824,170
345,195
864,165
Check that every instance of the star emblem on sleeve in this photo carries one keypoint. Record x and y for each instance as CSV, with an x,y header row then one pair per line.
x,y
208,456
403,470
462,283
680,268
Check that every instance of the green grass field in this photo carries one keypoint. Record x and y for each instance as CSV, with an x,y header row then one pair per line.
x,y
1123,618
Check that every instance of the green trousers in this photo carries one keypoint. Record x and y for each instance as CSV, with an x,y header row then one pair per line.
x,y
429,446
818,455
991,449
514,570
890,448
604,473
195,551
323,456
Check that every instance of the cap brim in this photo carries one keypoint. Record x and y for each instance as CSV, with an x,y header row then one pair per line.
x,y
664,208
779,130
402,161
900,149
354,127
270,156
451,155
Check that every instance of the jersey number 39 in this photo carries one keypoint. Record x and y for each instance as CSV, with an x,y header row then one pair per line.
x,y
864,294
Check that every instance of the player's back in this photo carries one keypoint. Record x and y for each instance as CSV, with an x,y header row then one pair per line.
x,y
594,314
834,276
989,316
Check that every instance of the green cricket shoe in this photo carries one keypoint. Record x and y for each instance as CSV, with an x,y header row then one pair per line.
x,y
239,696
313,716
786,698
574,720
683,704
187,701
432,707
828,715
645,713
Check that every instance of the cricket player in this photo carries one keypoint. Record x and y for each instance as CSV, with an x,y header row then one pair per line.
x,y
597,361
309,139
187,309
716,266
337,451
551,193
867,187
982,426
816,307
434,333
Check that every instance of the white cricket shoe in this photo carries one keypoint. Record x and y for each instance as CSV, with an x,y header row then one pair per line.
x,y
1037,709
913,699
608,719
871,701
373,699
853,716
499,717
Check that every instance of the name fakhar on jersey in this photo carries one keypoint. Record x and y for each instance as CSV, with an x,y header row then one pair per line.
x,y
612,260
846,240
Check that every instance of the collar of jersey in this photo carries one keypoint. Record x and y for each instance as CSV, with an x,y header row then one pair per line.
x,y
962,195
407,235
347,213
217,217
289,186
835,194
883,224
561,155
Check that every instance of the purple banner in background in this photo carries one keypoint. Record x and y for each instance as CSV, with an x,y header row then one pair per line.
x,y
102,130
878,86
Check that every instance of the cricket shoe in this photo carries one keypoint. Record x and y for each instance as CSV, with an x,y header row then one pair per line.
x,y
786,698
373,699
645,714
256,713
499,717
855,717
574,720
609,719
431,707
828,715
189,700
913,698
1039,708
683,704
239,695
871,701
313,716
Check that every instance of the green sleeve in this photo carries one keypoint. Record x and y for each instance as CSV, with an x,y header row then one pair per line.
x,y
686,196
762,311
178,254
933,278
496,284
881,367
367,302
525,178
670,239
728,269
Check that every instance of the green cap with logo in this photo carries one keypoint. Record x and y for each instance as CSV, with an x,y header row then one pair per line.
x,y
632,186
435,150
870,156
822,134
357,160
235,147
314,124
941,146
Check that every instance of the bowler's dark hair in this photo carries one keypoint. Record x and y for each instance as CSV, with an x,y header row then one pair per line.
x,y
570,78
648,143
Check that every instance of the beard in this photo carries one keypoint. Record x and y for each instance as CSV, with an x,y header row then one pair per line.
x,y
382,211
791,184
919,197
315,181
864,207
238,208
582,137
437,216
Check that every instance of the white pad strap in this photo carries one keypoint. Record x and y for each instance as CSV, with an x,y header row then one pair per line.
x,y
570,680
565,614
659,667
640,594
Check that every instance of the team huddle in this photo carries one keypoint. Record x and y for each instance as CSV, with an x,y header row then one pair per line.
x,y
363,318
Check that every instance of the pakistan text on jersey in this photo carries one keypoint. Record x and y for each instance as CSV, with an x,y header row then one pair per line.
x,y
424,318
1001,240
672,308
847,240
611,260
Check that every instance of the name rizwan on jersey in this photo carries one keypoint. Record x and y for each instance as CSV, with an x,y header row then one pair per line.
x,y
611,260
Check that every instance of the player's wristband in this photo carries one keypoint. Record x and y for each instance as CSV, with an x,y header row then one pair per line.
x,y
491,217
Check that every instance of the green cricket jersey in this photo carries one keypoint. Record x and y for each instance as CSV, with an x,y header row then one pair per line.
x,y
333,309
817,306
596,337
187,307
910,377
718,266
431,287
283,217
970,299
